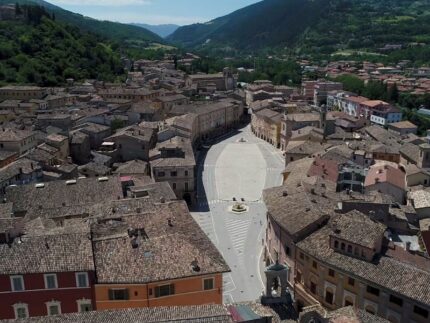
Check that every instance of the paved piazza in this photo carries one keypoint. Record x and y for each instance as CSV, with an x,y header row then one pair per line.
x,y
240,166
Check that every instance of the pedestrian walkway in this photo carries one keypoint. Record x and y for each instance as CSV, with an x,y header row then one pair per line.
x,y
205,222
238,230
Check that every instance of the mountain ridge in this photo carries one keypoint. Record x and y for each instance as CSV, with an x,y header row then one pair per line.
x,y
312,26
162,30
119,32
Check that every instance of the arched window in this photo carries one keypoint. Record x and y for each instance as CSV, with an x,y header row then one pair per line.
x,y
342,246
329,295
336,244
348,301
349,249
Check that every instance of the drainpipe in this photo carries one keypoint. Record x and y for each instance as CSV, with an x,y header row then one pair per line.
x,y
147,295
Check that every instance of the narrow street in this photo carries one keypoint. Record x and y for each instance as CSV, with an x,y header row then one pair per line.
x,y
241,169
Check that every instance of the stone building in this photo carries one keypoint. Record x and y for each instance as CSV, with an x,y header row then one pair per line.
x,y
173,161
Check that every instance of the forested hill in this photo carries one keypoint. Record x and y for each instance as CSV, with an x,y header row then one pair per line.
x,y
265,23
314,25
118,32
35,48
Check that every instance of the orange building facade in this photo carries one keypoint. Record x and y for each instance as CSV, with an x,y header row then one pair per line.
x,y
200,290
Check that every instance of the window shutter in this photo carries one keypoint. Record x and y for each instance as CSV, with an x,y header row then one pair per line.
x,y
172,289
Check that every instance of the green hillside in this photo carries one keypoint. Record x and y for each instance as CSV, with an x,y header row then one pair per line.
x,y
265,23
38,50
134,36
316,26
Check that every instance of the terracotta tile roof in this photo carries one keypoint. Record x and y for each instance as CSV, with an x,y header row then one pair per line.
x,y
306,148
58,195
403,125
183,153
306,204
385,174
11,135
20,166
384,271
325,168
358,228
182,314
132,167
51,253
165,250
410,152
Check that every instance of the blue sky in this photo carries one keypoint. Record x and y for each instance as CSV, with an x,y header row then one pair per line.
x,y
153,11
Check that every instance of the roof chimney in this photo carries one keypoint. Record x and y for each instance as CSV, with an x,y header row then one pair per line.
x,y
408,246
134,242
195,265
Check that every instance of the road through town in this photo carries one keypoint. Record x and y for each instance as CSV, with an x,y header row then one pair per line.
x,y
240,167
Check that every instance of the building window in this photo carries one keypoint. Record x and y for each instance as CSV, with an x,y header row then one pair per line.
x,y
351,281
396,300
208,284
349,249
118,294
302,256
174,174
314,264
161,174
84,305
53,308
373,290
420,311
174,186
287,250
164,290
336,244
313,288
186,173
82,280
17,283
21,310
331,272
348,303
186,186
342,246
50,281
329,297
299,276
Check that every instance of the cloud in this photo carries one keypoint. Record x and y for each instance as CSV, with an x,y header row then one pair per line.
x,y
101,3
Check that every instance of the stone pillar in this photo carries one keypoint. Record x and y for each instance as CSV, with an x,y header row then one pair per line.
x,y
383,302
360,296
339,291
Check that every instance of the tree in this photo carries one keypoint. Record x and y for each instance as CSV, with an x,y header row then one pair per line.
x,y
117,124
393,93
175,61
18,10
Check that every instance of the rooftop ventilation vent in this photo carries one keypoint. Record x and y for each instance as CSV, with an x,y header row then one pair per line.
x,y
103,179
71,182
39,185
